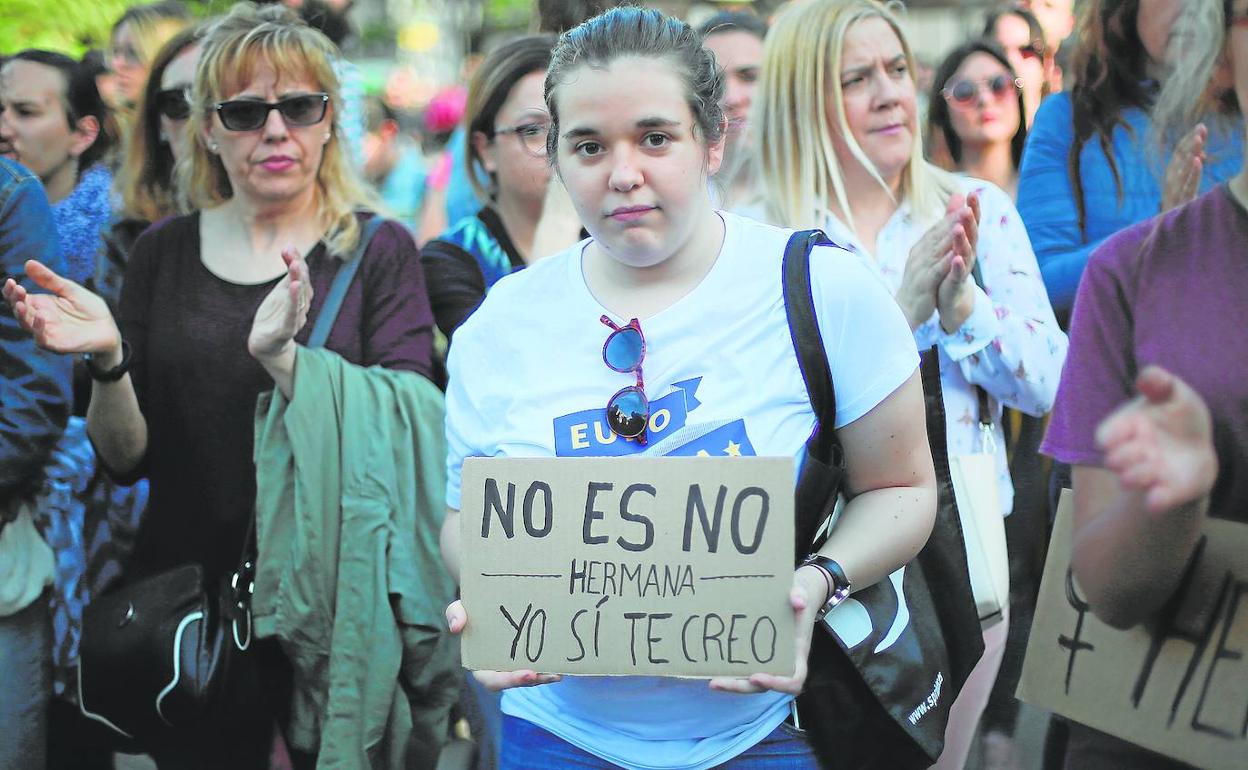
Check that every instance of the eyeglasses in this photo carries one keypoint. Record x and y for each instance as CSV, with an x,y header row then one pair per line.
x,y
628,411
531,135
174,103
964,92
250,114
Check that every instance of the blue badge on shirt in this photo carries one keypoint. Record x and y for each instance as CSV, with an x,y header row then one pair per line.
x,y
586,434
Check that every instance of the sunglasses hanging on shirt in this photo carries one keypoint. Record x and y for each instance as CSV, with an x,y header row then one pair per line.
x,y
628,411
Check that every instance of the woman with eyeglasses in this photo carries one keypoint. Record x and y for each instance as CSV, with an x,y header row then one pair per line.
x,y
952,249
506,121
977,107
1020,36
1094,165
136,38
214,307
636,130
159,139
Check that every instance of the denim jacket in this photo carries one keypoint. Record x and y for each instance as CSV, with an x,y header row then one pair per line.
x,y
34,384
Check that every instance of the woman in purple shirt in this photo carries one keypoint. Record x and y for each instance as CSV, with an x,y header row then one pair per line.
x,y
214,304
1151,408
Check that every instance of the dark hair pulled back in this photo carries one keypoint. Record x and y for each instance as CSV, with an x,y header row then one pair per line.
x,y
622,32
80,99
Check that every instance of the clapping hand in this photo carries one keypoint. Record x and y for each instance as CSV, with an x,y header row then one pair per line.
x,y
1182,180
69,319
284,312
932,260
955,296
1160,443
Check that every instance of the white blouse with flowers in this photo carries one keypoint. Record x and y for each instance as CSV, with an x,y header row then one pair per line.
x,y
1010,345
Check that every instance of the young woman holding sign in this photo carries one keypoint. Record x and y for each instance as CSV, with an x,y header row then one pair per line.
x,y
635,131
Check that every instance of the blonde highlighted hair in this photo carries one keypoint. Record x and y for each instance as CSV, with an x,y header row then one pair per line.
x,y
245,39
799,174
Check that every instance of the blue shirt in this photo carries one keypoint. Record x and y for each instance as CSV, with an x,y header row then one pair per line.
x,y
34,384
1046,198
461,199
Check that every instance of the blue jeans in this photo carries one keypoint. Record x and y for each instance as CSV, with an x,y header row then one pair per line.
x,y
26,673
528,747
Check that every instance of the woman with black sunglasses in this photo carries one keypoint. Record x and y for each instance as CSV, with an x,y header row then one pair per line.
x,y
215,307
977,114
156,143
1021,38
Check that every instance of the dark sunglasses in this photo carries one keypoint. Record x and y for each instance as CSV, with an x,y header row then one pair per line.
x,y
628,411
174,103
250,114
1032,51
965,92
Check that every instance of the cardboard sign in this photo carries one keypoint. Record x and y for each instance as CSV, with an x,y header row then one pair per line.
x,y
1179,688
657,566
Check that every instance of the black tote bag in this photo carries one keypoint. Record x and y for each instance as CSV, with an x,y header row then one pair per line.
x,y
879,689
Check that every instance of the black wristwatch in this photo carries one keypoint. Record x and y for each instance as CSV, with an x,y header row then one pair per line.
x,y
838,583
110,375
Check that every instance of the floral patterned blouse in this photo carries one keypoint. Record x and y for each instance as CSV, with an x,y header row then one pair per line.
x,y
1010,345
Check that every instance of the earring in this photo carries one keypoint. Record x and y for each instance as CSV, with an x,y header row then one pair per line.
x,y
212,148
328,136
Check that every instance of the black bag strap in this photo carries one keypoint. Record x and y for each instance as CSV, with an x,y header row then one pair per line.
x,y
981,395
342,282
242,579
812,358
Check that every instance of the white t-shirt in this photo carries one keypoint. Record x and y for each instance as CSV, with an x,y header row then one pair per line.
x,y
527,379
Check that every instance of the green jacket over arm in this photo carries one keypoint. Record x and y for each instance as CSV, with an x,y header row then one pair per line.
x,y
350,500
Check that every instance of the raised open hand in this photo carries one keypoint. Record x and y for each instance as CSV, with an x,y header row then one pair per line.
x,y
1182,180
68,320
1161,442
284,312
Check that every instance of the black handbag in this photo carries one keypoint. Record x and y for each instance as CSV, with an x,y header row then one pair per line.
x,y
879,698
158,654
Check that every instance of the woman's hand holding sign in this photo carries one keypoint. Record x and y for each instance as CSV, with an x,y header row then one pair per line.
x,y
457,620
806,597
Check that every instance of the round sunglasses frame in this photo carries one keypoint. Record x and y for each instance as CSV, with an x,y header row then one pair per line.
x,y
998,92
619,421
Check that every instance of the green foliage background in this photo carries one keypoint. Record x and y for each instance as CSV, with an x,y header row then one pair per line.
x,y
71,26
68,26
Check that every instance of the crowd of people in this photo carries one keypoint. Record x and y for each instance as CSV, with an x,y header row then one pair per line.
x,y
242,315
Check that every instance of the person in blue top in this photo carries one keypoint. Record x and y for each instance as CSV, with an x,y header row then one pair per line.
x,y
34,407
506,121
1093,165
636,129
